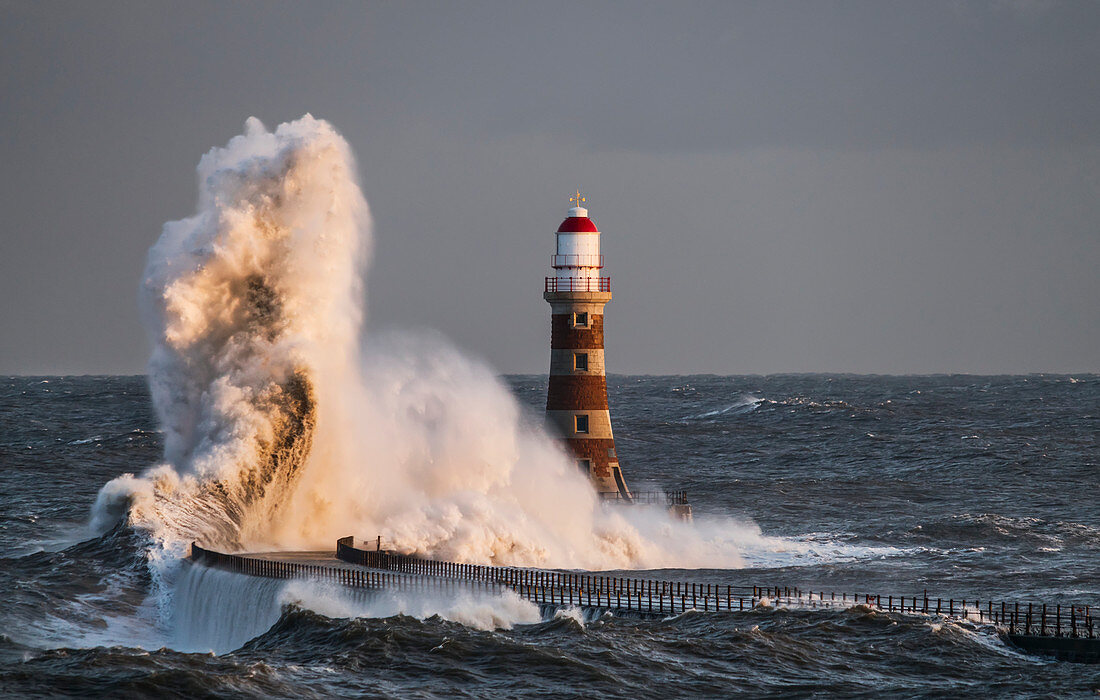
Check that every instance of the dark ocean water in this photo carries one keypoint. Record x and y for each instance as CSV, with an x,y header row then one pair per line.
x,y
975,487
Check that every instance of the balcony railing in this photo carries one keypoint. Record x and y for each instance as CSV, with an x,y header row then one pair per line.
x,y
576,261
578,284
649,498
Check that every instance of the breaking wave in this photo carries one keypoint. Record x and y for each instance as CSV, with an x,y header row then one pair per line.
x,y
252,308
744,404
283,430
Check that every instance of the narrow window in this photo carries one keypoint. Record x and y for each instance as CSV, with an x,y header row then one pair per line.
x,y
611,455
580,320
585,465
581,423
618,473
580,361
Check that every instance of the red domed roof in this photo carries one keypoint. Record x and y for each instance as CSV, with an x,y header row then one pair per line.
x,y
578,224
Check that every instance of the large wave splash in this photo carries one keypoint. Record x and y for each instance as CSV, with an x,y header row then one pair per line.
x,y
282,431
253,309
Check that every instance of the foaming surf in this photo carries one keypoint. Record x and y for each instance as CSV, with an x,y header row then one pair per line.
x,y
283,429
745,404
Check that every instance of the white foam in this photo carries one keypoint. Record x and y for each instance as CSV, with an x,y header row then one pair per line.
x,y
745,404
413,440
483,611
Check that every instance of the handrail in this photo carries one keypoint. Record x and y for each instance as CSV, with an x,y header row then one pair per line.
x,y
668,498
578,284
389,569
579,260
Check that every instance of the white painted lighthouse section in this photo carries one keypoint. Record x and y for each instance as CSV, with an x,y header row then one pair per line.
x,y
580,243
577,255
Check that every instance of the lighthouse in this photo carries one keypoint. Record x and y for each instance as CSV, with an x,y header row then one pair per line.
x,y
576,400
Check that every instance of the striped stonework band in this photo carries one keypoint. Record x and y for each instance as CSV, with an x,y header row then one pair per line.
x,y
566,335
565,420
576,391
588,362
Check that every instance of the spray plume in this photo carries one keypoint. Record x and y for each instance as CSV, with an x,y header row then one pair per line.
x,y
282,431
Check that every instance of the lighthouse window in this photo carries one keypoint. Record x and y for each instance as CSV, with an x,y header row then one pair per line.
x,y
580,320
585,465
581,423
580,361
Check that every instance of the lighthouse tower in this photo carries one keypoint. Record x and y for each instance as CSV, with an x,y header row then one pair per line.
x,y
576,401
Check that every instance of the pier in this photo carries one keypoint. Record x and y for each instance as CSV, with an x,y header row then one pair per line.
x,y
1066,631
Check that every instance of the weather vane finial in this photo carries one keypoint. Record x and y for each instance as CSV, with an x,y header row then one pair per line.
x,y
577,198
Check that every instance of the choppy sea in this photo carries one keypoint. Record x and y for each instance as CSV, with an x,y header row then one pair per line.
x,y
962,486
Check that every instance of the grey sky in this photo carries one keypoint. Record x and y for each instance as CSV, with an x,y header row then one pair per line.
x,y
782,186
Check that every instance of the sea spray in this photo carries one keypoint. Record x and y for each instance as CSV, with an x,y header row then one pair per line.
x,y
446,465
283,430
252,306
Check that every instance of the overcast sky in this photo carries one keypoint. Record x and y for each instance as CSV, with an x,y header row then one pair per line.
x,y
865,187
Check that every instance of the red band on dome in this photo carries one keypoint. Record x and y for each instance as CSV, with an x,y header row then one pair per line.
x,y
578,224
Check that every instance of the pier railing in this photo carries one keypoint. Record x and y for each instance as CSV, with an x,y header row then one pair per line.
x,y
386,569
647,498
344,576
